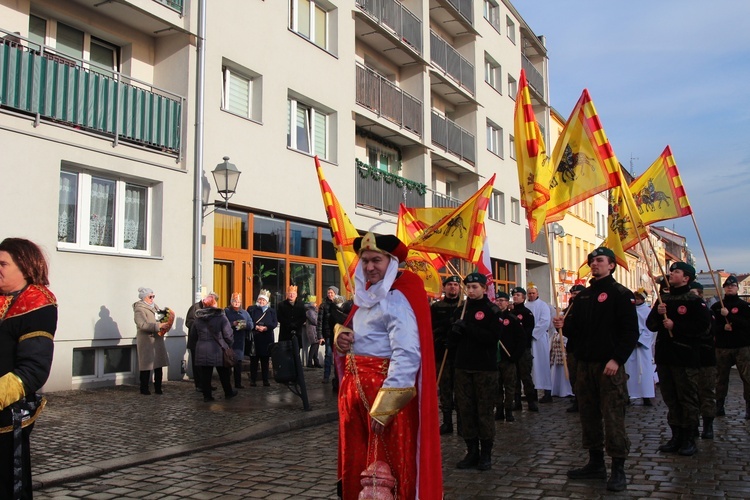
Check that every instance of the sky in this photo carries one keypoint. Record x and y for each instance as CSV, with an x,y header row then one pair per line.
x,y
665,72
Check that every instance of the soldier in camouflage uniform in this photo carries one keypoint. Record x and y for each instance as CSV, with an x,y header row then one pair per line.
x,y
474,337
525,363
570,349
706,376
605,322
732,332
677,355
442,317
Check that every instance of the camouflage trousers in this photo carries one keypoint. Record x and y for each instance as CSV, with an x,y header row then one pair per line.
x,y
601,403
524,367
445,387
506,385
572,363
725,358
679,389
707,391
475,400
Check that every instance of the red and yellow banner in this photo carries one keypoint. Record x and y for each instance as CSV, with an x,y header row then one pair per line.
x,y
424,264
659,193
534,168
342,231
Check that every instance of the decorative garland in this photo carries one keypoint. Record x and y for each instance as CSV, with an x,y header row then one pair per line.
x,y
365,170
363,132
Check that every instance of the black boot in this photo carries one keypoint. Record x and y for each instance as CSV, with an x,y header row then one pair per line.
x,y
747,410
708,428
688,448
447,427
720,408
517,403
594,469
509,416
499,414
573,406
617,480
158,375
472,455
145,376
533,406
674,443
547,398
485,455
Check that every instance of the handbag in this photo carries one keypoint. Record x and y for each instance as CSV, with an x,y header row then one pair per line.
x,y
250,344
229,359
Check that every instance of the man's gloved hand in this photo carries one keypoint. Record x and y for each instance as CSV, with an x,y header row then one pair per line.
x,y
458,327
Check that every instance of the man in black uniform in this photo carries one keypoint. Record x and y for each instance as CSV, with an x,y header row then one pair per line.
x,y
706,376
570,349
291,316
606,327
513,344
526,361
681,319
732,332
442,318
474,337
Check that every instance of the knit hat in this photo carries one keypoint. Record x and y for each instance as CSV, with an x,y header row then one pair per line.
x,y
452,279
686,269
386,244
144,292
518,289
265,294
731,280
600,251
475,278
334,288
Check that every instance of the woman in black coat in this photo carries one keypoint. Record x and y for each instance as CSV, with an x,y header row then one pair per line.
x,y
214,334
264,321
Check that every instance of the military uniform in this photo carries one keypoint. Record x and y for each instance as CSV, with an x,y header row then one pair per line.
x,y
525,363
678,362
513,338
442,313
732,347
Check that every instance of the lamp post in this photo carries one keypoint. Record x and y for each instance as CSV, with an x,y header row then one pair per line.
x,y
226,176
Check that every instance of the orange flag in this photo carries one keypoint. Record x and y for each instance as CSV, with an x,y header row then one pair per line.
x,y
584,161
342,231
659,193
534,168
625,225
424,264
459,234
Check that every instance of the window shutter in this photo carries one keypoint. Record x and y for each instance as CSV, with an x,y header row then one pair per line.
x,y
239,94
320,134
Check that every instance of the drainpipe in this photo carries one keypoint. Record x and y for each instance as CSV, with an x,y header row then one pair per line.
x,y
200,86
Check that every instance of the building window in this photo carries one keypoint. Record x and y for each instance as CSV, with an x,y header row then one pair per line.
x,y
492,13
105,362
492,73
512,87
494,139
383,158
307,128
241,92
497,207
310,19
515,211
97,212
512,146
510,29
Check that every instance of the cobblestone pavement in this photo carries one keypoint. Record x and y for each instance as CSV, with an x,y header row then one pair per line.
x,y
530,459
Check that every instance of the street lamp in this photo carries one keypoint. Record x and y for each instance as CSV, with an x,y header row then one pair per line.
x,y
226,177
562,274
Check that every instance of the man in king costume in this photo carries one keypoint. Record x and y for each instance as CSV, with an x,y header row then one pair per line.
x,y
388,395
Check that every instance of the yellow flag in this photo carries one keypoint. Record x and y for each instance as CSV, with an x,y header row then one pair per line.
x,y
625,225
659,193
424,264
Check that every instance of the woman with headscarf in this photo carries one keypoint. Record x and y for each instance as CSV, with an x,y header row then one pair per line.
x,y
152,353
214,335
242,326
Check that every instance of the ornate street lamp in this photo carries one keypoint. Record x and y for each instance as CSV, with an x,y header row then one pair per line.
x,y
226,177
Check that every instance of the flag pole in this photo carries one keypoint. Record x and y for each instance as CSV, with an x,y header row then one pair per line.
x,y
705,255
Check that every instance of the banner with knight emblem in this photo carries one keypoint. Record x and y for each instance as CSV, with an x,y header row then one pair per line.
x,y
659,193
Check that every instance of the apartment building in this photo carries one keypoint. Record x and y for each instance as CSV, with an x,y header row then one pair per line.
x,y
402,101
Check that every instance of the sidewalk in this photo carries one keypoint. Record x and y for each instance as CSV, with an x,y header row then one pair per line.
x,y
85,433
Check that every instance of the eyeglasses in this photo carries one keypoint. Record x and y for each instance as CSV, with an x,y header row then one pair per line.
x,y
151,296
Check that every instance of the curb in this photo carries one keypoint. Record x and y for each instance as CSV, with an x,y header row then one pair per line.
x,y
260,431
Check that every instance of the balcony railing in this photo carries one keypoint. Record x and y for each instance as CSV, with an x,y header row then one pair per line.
x,y
533,75
451,62
375,92
176,5
81,95
383,191
464,7
440,200
453,138
396,18
539,247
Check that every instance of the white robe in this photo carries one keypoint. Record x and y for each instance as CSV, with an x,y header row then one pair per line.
x,y
560,383
640,366
541,372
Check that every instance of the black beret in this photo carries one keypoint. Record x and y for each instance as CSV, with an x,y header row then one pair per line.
x,y
518,289
600,251
475,278
502,295
686,268
452,279
731,280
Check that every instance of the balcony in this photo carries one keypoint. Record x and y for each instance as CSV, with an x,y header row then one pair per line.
x,y
539,247
440,200
79,95
453,138
396,20
453,64
175,5
454,16
382,191
388,101
534,77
